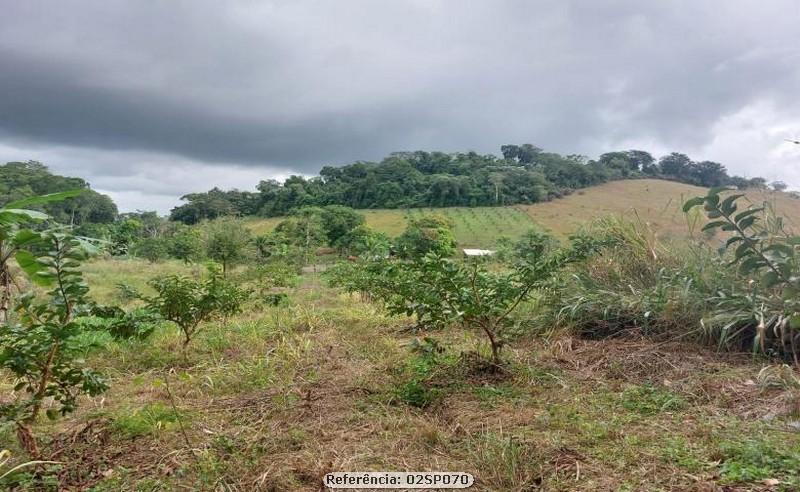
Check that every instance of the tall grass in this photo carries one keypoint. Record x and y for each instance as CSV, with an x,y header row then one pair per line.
x,y
638,284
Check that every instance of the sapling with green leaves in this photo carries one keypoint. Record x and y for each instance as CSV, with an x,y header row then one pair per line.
x,y
440,291
188,302
768,308
40,348
16,239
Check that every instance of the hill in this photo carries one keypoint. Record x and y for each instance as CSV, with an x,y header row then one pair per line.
x,y
653,201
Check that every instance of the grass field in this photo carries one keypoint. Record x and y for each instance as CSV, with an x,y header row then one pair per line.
x,y
655,202
476,227
274,398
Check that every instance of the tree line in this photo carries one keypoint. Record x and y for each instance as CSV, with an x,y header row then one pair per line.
x,y
523,174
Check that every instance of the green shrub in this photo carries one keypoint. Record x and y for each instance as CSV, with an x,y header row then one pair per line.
x,y
363,241
228,242
138,323
153,249
762,309
40,349
187,244
149,419
429,234
427,356
440,292
188,302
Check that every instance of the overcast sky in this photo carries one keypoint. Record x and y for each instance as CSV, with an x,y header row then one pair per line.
x,y
151,100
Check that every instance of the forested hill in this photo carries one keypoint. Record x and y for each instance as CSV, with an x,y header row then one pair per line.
x,y
25,179
525,174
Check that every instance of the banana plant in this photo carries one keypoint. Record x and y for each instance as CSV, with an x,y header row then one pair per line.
x,y
16,237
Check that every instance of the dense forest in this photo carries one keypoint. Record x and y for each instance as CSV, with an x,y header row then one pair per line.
x,y
524,174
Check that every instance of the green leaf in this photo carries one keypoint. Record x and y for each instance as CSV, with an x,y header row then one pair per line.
x,y
693,202
746,222
741,251
770,279
715,191
728,206
37,200
780,248
15,215
750,265
732,240
32,268
714,224
747,213
24,237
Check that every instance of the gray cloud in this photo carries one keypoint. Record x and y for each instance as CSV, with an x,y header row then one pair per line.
x,y
120,91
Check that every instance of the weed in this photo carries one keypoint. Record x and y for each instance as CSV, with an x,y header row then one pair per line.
x,y
679,451
509,462
758,459
150,419
650,400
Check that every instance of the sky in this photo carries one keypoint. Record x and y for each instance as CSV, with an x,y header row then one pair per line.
x,y
151,100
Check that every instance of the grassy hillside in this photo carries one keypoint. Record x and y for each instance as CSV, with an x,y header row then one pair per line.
x,y
653,201
477,227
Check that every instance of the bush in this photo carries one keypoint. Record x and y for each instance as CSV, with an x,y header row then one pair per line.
x,y
427,234
762,309
228,242
137,324
363,241
427,356
188,303
40,349
187,244
152,249
442,292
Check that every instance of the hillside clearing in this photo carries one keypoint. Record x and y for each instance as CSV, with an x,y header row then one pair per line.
x,y
654,202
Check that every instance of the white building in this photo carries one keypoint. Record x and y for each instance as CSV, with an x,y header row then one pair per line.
x,y
477,252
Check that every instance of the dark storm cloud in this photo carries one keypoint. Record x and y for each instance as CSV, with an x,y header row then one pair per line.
x,y
48,104
122,90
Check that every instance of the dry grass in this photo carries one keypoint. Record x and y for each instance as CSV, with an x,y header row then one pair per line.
x,y
656,202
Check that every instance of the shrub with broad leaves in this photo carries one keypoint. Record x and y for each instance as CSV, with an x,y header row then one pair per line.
x,y
40,348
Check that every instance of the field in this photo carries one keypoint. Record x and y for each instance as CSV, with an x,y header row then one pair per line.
x,y
276,397
654,202
472,227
